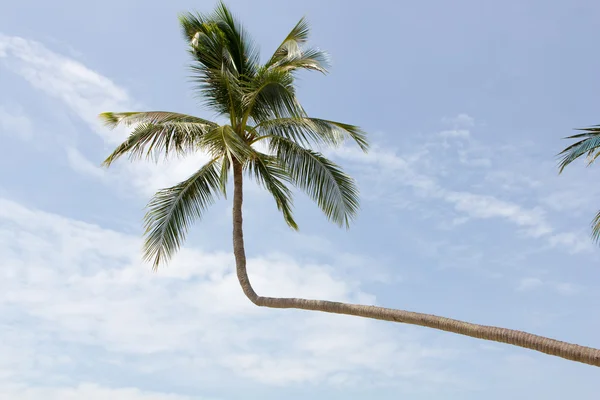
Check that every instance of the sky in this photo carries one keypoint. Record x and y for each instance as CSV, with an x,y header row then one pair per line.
x,y
463,212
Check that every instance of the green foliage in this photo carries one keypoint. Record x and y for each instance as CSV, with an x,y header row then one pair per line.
x,y
325,182
156,132
172,210
589,145
261,104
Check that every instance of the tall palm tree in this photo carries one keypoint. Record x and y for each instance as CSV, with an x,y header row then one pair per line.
x,y
588,144
260,104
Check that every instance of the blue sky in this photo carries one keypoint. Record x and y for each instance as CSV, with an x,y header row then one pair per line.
x,y
463,213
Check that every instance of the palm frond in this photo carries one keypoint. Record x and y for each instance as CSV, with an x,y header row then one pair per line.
x,y
587,132
224,141
588,145
306,130
208,43
225,57
157,132
172,210
219,89
308,59
193,24
272,176
593,156
291,45
596,228
213,69
334,191
224,175
291,55
113,119
271,95
240,45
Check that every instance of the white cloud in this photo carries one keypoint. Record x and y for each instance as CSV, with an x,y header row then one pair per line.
x,y
148,176
511,181
85,391
566,288
86,93
479,162
79,163
473,205
390,172
84,285
456,133
529,284
484,207
574,242
460,120
15,123
562,288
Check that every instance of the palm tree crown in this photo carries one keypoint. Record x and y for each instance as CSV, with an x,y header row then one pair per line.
x,y
589,145
260,103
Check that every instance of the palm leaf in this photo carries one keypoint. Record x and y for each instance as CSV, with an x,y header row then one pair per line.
x,y
224,55
170,133
224,141
213,69
291,45
589,145
218,89
113,119
172,210
596,228
208,42
271,94
592,156
591,131
309,59
290,55
272,176
334,191
224,175
240,45
306,130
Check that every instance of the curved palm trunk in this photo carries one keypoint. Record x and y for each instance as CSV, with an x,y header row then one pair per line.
x,y
553,347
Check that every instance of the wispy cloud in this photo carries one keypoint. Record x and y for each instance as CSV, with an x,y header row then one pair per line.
x,y
79,163
15,123
455,133
460,120
563,288
471,205
86,93
573,242
85,286
527,284
425,172
485,207
85,391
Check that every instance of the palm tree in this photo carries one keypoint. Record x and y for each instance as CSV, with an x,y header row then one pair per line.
x,y
261,107
588,144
